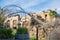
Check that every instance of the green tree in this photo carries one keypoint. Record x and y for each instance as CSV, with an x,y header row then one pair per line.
x,y
53,13
2,17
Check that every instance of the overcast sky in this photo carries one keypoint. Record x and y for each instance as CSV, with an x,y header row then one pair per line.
x,y
32,5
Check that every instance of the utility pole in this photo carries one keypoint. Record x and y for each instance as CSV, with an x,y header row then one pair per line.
x,y
36,32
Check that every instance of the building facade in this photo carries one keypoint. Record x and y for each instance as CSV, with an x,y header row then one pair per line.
x,y
11,22
26,22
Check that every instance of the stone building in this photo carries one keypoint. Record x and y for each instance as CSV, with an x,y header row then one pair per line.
x,y
11,22
26,22
41,16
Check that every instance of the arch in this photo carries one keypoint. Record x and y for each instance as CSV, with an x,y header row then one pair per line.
x,y
19,11
7,6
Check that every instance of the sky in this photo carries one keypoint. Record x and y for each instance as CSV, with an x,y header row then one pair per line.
x,y
32,5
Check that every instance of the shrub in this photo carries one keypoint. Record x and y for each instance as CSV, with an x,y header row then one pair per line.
x,y
22,30
6,33
32,38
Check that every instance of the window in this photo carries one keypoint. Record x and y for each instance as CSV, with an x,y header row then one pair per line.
x,y
42,20
14,28
45,15
14,22
39,17
8,23
32,29
33,21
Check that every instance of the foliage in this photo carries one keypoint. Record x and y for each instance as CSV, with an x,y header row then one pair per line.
x,y
6,33
32,38
22,30
52,13
2,17
14,32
